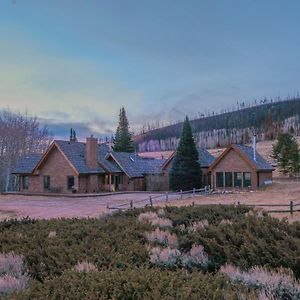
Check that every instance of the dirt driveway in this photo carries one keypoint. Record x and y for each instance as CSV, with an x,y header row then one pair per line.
x,y
40,207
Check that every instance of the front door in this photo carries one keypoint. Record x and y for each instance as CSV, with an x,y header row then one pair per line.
x,y
117,182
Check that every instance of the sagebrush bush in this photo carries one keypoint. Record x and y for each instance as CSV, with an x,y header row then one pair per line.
x,y
199,225
277,283
52,234
196,257
162,237
225,222
10,284
166,257
85,266
155,219
13,275
11,264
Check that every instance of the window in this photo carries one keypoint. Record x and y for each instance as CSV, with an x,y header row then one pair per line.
x,y
25,182
228,179
70,182
238,179
112,179
46,182
247,179
220,179
102,179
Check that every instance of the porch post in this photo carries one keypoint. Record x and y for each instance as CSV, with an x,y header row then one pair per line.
x,y
109,181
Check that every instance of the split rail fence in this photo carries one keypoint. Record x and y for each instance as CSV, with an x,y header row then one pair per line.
x,y
167,197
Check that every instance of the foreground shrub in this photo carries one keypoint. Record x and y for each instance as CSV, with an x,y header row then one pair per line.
x,y
278,284
247,242
214,214
135,284
13,275
116,241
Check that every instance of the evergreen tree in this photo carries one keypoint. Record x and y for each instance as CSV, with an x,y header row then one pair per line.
x,y
185,173
123,141
286,151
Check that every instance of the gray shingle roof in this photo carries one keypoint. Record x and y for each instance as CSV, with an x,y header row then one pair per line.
x,y
132,164
136,166
75,151
260,163
205,158
27,163
111,167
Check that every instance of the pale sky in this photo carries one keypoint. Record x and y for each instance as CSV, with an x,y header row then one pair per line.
x,y
76,62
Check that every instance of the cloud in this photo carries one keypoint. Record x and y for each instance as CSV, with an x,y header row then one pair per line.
x,y
62,91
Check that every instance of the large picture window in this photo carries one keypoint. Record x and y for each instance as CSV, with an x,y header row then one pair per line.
x,y
46,182
25,182
220,179
70,182
247,179
228,179
238,179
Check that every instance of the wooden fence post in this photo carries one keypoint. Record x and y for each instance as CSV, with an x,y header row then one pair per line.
x,y
167,196
131,204
291,207
181,194
193,203
150,199
205,189
194,192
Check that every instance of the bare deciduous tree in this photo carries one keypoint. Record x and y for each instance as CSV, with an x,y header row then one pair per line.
x,y
19,135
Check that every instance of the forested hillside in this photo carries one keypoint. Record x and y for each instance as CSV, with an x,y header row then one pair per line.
x,y
218,130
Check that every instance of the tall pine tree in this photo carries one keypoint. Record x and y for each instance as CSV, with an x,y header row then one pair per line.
x,y
185,173
286,151
123,141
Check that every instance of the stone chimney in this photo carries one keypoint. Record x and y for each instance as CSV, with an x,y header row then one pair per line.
x,y
91,152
